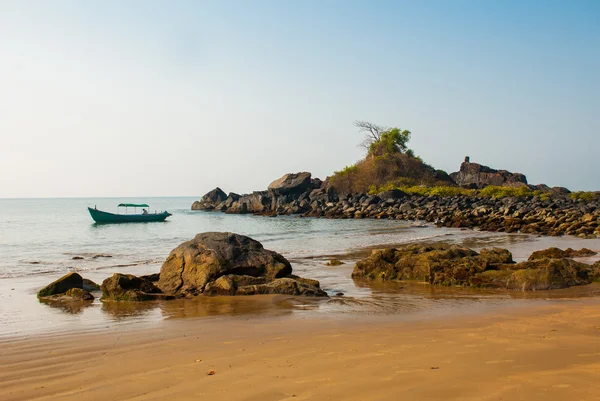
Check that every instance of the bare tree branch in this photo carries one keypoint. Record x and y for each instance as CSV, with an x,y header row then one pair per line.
x,y
372,132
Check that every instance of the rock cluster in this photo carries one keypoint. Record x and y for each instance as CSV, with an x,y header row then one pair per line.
x,y
555,215
210,264
442,264
230,264
473,175
69,287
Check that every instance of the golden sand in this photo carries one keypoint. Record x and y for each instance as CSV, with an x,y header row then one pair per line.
x,y
532,352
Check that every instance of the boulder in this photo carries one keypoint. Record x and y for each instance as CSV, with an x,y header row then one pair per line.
x,y
392,194
79,294
62,285
293,183
127,287
475,175
286,285
210,200
194,264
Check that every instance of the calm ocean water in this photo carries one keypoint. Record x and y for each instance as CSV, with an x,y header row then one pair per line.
x,y
39,239
42,236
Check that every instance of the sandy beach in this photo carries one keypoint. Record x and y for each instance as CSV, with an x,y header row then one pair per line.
x,y
534,351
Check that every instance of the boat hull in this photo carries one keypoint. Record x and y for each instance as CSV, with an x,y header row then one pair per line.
x,y
104,217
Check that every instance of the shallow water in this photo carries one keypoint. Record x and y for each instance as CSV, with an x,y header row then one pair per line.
x,y
40,237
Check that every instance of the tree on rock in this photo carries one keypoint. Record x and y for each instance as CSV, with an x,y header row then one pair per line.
x,y
381,141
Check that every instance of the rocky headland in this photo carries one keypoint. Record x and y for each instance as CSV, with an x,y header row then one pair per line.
x,y
535,209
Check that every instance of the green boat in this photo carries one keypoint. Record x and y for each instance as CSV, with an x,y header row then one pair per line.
x,y
105,217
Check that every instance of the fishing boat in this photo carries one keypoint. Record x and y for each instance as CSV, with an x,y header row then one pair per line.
x,y
100,216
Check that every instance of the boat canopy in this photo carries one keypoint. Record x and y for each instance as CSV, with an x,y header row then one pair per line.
x,y
133,205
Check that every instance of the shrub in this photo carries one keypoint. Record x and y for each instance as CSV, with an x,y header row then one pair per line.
x,y
584,196
494,191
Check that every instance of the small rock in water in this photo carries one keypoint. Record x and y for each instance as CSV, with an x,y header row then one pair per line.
x,y
77,257
211,372
334,262
339,294
101,255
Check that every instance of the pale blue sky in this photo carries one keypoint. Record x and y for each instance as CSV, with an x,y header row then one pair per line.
x,y
150,98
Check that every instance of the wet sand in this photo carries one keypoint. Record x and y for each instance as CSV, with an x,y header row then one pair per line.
x,y
533,351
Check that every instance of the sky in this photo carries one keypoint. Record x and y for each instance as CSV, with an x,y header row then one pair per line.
x,y
173,98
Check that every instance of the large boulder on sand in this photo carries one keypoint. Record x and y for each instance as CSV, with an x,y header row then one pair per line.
x,y
210,200
127,287
293,183
62,285
221,263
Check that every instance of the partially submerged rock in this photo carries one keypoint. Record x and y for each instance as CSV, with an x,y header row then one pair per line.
x,y
62,285
455,265
127,287
210,200
218,263
334,262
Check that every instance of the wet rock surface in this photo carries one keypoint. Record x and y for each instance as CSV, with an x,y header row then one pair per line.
x,y
442,264
62,285
219,263
127,287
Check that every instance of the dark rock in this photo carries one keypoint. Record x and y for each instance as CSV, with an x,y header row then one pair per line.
x,y
477,176
127,287
153,278
193,264
210,200
62,285
77,258
394,194
293,183
89,285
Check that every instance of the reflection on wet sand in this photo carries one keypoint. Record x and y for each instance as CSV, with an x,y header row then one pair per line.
x,y
72,307
125,310
426,290
226,306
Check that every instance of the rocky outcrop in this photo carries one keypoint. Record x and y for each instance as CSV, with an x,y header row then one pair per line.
x,y
217,263
292,183
127,287
454,265
210,200
550,213
473,175
62,285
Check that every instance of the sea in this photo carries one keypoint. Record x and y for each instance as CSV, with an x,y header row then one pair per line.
x,y
43,239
